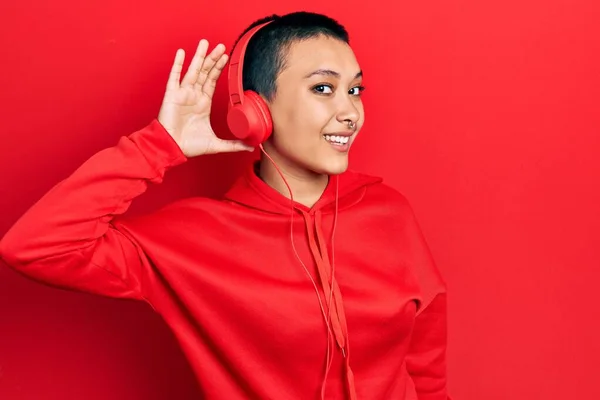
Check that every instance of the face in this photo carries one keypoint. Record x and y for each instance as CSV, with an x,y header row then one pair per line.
x,y
318,95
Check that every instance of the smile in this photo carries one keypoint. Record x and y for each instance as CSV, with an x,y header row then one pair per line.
x,y
339,140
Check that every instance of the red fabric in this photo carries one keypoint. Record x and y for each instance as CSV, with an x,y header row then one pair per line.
x,y
224,276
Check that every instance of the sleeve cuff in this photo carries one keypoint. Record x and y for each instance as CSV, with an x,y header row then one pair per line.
x,y
158,147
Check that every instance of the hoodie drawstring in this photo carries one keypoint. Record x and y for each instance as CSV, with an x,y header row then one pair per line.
x,y
318,246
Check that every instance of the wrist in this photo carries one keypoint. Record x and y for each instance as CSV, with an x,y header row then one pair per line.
x,y
158,146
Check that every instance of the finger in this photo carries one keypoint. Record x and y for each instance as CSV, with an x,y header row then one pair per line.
x,y
228,146
175,74
211,80
194,69
209,63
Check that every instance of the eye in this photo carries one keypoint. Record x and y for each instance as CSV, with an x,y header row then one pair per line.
x,y
356,91
323,89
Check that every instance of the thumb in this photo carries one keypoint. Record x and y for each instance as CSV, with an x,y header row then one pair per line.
x,y
227,146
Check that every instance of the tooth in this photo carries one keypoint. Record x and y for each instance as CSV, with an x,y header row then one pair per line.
x,y
337,139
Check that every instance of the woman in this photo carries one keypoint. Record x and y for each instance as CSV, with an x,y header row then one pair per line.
x,y
305,281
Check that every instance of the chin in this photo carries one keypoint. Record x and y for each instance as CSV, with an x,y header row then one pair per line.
x,y
333,167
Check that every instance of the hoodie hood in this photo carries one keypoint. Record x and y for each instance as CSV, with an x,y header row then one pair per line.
x,y
251,191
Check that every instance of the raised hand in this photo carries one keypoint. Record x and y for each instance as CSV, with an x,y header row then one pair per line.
x,y
186,107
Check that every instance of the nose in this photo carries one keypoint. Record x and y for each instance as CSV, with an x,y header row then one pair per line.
x,y
348,110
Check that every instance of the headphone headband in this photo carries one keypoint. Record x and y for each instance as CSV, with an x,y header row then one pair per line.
x,y
235,74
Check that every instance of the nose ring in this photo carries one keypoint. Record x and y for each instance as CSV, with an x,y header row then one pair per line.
x,y
351,125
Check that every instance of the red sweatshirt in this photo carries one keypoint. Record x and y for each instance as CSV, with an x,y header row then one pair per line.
x,y
234,287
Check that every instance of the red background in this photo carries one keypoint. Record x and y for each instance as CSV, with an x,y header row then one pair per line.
x,y
483,113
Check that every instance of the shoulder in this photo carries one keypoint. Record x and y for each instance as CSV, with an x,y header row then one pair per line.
x,y
391,210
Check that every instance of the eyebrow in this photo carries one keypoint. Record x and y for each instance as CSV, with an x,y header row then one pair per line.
x,y
329,72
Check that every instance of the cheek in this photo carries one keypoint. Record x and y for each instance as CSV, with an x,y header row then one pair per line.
x,y
302,119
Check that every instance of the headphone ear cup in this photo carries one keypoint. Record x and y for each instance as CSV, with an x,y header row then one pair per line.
x,y
262,125
250,121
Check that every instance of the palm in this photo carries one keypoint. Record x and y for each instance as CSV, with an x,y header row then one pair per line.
x,y
186,107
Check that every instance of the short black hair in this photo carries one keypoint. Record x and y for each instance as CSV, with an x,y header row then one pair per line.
x,y
266,53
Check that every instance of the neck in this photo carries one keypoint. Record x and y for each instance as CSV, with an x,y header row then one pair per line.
x,y
306,186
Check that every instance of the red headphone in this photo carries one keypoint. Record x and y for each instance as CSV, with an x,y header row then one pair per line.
x,y
248,116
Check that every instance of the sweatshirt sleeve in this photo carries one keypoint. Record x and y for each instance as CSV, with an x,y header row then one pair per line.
x,y
68,239
426,357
